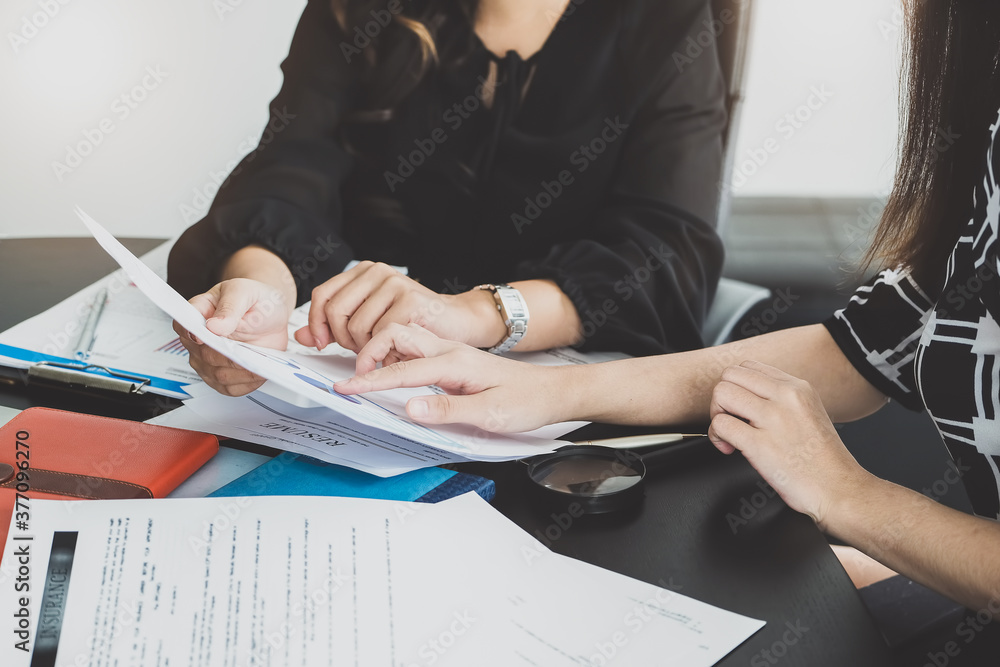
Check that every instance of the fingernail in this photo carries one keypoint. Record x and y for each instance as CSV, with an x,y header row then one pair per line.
x,y
419,408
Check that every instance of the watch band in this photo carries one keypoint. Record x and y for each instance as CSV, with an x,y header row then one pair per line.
x,y
514,312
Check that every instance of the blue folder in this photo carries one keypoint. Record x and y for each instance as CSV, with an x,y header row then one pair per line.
x,y
296,475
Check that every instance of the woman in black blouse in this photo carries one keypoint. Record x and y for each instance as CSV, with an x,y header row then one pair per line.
x,y
572,149
925,332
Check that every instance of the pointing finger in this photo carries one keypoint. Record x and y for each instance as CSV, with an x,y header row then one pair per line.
x,y
412,373
410,341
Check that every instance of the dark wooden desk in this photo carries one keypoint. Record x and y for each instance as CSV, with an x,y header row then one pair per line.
x,y
708,527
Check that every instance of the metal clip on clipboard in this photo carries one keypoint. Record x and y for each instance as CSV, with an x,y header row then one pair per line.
x,y
82,374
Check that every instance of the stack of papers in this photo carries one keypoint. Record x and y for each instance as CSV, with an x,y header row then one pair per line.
x,y
314,430
300,411
331,581
393,449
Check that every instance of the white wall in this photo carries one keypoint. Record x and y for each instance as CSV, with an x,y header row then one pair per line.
x,y
844,146
217,64
151,175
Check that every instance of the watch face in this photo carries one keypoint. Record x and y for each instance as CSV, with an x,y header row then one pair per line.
x,y
513,303
514,312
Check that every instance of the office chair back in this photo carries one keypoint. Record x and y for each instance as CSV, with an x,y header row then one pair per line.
x,y
735,19
733,298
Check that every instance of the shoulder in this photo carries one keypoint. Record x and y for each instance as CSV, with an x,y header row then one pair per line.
x,y
994,150
988,200
667,24
978,248
887,309
662,40
322,51
318,15
986,205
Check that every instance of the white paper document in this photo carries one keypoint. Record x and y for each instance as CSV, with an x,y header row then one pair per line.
x,y
132,334
317,432
311,377
330,581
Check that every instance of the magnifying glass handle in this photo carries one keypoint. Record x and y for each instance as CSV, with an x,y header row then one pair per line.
x,y
641,441
652,460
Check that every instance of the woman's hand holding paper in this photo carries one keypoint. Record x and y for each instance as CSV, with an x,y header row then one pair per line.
x,y
241,309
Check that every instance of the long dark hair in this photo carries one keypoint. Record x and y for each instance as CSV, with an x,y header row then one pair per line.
x,y
399,55
949,98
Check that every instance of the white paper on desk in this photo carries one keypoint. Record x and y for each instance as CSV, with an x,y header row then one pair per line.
x,y
335,581
658,626
315,432
262,419
334,353
313,376
474,443
132,334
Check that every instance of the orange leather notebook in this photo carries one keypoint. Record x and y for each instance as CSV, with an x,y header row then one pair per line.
x,y
73,456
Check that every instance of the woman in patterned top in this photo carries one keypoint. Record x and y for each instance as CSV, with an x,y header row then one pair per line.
x,y
925,332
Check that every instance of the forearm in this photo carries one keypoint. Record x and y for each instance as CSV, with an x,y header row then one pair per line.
x,y
257,263
953,553
553,321
677,388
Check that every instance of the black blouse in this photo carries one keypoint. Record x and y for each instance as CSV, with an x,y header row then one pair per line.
x,y
597,166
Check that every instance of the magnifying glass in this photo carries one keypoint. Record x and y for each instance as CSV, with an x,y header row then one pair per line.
x,y
600,479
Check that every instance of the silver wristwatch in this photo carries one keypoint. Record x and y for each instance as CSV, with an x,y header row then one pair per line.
x,y
514,312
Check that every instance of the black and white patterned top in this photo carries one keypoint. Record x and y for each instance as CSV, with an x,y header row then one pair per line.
x,y
942,354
